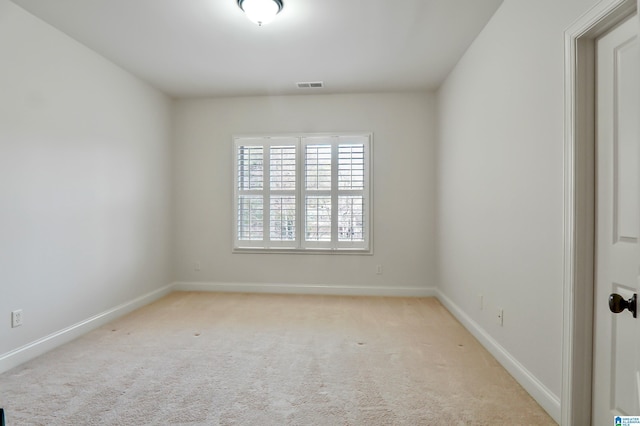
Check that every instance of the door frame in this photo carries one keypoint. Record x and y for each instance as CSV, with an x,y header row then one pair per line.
x,y
579,204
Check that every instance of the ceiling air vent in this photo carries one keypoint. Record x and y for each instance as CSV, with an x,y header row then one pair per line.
x,y
310,84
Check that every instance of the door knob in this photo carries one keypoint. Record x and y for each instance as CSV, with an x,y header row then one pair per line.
x,y
617,304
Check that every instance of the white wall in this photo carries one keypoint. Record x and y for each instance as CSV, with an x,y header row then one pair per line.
x,y
84,182
403,128
500,200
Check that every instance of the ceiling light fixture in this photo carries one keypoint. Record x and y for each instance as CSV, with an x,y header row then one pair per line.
x,y
261,11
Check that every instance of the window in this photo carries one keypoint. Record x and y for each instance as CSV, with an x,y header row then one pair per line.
x,y
302,193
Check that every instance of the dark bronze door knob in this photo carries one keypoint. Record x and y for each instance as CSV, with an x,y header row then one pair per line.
x,y
617,304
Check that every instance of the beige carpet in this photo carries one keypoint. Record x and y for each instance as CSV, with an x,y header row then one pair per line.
x,y
237,359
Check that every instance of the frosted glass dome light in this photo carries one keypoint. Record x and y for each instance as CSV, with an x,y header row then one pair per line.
x,y
261,11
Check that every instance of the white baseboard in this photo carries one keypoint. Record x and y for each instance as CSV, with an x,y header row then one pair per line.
x,y
543,396
31,350
333,290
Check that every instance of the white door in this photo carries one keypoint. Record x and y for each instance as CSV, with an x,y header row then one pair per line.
x,y
616,375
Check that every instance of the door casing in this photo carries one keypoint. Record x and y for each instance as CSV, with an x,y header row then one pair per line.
x,y
579,204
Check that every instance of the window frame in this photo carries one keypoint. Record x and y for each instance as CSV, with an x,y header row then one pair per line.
x,y
300,245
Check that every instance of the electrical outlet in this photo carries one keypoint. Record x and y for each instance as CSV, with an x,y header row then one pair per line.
x,y
379,269
196,266
16,318
481,302
500,318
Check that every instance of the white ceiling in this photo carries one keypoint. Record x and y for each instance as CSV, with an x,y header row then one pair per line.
x,y
209,48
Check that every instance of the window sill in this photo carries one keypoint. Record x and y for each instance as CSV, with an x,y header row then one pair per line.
x,y
329,251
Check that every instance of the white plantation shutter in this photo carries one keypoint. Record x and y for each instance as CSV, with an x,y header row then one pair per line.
x,y
352,183
250,184
309,192
265,192
282,192
318,166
